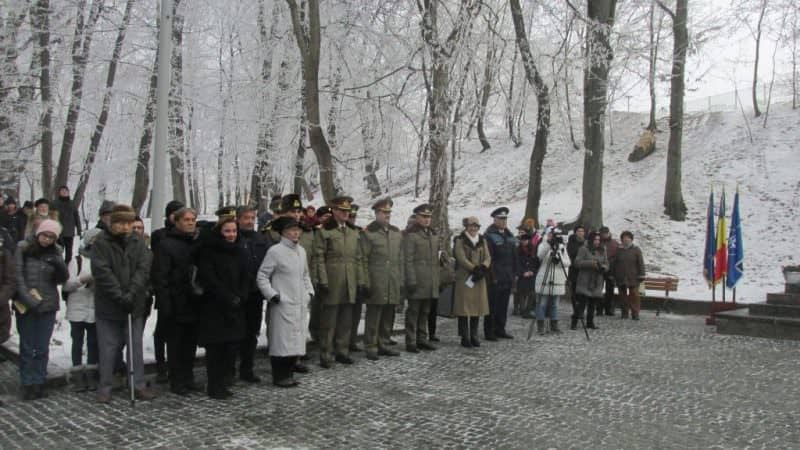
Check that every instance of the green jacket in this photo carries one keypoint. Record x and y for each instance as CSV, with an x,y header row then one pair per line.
x,y
121,268
382,251
337,262
421,260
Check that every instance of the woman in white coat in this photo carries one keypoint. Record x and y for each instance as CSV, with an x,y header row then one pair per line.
x,y
284,280
551,279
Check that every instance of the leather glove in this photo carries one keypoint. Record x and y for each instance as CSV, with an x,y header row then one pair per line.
x,y
236,301
362,292
275,299
322,290
126,303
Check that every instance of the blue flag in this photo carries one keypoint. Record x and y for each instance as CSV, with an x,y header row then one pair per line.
x,y
711,243
735,247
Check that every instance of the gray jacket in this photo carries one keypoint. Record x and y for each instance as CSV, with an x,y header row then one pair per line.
x,y
121,270
591,269
42,269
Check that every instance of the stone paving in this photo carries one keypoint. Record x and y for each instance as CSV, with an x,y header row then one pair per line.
x,y
667,382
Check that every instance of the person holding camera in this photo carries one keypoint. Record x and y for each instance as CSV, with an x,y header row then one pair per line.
x,y
628,272
472,264
592,265
551,279
223,275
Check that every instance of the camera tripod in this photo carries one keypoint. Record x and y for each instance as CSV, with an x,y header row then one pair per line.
x,y
549,280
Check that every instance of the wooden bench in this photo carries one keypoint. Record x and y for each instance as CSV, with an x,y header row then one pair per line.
x,y
662,283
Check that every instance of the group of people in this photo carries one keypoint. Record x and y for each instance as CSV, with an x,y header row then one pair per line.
x,y
314,269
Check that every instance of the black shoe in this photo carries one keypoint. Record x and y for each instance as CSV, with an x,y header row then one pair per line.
x,y
250,378
286,383
387,352
355,348
434,339
466,342
504,335
573,324
39,392
221,394
344,359
28,393
300,368
194,386
489,338
325,363
610,313
372,356
474,341
391,342
183,391
591,326
412,349
426,346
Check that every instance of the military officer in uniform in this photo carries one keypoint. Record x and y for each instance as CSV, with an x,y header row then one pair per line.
x,y
381,246
340,277
358,306
421,253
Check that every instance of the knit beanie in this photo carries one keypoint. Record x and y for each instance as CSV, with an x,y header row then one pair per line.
x,y
122,213
49,225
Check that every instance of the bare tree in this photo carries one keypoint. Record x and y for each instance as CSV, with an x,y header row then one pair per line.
x,y
97,135
543,113
141,182
674,206
758,31
654,32
40,18
599,54
308,44
177,146
81,45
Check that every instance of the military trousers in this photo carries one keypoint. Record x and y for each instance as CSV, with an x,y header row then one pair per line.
x,y
378,325
417,321
356,319
315,311
335,323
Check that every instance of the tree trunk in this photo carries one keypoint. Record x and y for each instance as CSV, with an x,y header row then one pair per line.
x,y
369,125
653,60
97,135
41,28
756,111
81,45
543,113
674,205
259,183
141,184
486,90
177,148
513,135
13,111
309,46
599,55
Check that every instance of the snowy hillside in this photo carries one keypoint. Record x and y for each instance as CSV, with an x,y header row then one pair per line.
x,y
717,152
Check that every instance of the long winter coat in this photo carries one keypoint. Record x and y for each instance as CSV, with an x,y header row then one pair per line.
x,y
421,252
222,272
42,269
8,284
555,284
381,248
284,272
527,261
255,246
591,266
470,301
171,276
503,247
628,267
338,263
121,267
68,215
80,302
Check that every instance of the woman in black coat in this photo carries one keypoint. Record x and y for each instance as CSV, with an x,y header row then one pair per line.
x,y
222,271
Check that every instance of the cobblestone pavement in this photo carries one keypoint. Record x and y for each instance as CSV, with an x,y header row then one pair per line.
x,y
657,383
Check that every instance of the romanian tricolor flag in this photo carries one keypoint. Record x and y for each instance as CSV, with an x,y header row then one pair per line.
x,y
721,255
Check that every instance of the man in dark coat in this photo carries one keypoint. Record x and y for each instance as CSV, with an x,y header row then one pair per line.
x,y
612,247
15,220
162,326
121,270
70,220
576,240
175,299
503,249
255,245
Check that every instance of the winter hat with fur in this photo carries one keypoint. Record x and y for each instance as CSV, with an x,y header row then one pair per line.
x,y
122,213
49,225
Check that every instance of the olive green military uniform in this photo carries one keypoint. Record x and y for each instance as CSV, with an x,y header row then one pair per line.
x,y
339,271
382,250
421,260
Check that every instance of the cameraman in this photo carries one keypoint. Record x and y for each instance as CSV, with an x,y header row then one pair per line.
x,y
551,279
591,264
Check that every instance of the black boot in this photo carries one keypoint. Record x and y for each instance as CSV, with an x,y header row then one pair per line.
x,y
573,323
463,332
473,332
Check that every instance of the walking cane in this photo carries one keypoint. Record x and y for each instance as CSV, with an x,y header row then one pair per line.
x,y
130,359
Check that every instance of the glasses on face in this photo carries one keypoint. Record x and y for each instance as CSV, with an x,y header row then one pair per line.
x,y
47,236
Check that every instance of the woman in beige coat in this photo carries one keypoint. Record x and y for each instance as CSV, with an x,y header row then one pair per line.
x,y
472,265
